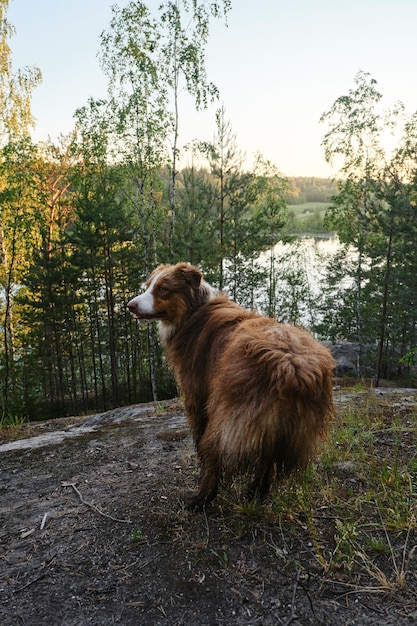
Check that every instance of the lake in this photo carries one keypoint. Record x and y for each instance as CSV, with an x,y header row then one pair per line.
x,y
299,269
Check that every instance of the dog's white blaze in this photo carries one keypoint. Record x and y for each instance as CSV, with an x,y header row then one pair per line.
x,y
145,302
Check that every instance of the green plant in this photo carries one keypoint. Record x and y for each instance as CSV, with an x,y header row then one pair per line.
x,y
378,545
345,551
9,419
410,357
222,557
136,535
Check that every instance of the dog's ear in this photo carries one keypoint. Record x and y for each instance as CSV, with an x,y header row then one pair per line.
x,y
190,274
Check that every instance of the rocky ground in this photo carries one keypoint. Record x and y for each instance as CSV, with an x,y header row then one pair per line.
x,y
93,530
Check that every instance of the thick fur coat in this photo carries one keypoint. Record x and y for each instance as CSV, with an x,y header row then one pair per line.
x,y
257,394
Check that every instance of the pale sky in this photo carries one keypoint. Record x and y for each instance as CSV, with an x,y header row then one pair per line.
x,y
278,65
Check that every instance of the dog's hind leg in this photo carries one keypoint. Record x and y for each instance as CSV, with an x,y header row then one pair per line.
x,y
207,489
279,455
259,486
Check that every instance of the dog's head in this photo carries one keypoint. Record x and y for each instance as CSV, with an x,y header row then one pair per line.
x,y
172,292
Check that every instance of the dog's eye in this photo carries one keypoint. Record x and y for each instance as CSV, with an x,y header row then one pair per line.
x,y
162,289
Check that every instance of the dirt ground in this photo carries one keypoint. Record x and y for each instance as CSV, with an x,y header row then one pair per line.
x,y
93,530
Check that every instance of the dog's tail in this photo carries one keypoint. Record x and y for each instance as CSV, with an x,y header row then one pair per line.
x,y
306,375
270,362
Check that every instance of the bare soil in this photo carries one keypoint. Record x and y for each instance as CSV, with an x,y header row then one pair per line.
x,y
93,530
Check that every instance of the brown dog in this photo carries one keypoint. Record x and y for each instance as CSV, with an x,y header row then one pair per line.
x,y
257,394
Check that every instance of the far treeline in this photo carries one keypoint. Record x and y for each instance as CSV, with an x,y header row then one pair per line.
x,y
305,189
85,219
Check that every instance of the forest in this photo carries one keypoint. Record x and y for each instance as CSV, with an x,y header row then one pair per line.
x,y
83,221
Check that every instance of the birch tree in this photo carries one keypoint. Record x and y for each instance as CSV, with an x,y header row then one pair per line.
x,y
15,121
149,59
15,87
372,207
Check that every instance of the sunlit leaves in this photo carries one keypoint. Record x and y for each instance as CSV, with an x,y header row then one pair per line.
x,y
15,87
372,211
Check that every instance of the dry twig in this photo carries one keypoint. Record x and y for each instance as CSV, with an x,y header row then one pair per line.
x,y
293,616
93,506
43,521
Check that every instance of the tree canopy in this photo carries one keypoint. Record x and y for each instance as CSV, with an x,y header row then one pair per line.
x,y
86,218
375,212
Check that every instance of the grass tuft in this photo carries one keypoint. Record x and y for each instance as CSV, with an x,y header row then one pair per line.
x,y
358,506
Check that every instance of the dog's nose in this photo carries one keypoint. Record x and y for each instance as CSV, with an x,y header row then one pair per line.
x,y
131,306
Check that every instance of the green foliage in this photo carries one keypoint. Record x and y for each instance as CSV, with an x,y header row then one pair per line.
x,y
86,235
374,212
249,212
308,189
150,61
83,222
137,535
410,358
20,237
363,488
195,216
15,87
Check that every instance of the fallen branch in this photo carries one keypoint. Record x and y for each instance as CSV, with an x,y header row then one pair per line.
x,y
93,506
